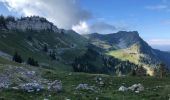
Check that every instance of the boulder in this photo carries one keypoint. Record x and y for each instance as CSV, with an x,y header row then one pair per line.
x,y
123,89
136,87
55,86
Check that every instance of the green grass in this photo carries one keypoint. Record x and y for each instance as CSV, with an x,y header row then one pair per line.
x,y
12,41
131,54
107,92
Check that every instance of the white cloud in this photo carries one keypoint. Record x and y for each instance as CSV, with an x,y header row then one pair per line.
x,y
159,42
63,13
81,28
157,7
97,27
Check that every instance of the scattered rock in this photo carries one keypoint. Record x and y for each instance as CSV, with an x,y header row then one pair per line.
x,y
134,88
85,87
31,87
55,86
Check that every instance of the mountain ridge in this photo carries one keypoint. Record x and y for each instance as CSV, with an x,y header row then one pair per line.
x,y
129,46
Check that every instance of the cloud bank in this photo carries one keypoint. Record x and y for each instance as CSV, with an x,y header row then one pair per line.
x,y
63,13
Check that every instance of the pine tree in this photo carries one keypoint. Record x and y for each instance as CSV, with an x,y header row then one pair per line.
x,y
17,58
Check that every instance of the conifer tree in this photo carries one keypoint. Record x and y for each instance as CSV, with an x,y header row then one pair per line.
x,y
17,58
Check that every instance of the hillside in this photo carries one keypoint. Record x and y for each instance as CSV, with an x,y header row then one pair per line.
x,y
129,46
28,36
94,61
12,74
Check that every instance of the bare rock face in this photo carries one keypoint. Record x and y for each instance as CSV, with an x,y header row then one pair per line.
x,y
31,23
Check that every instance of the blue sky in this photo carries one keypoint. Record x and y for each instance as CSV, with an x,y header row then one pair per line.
x,y
151,18
134,13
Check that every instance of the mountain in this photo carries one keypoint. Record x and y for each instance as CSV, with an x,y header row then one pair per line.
x,y
29,35
129,46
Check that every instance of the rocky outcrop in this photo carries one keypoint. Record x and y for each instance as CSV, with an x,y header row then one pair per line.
x,y
31,23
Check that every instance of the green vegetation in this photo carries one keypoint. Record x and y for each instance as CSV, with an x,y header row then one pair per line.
x,y
93,61
108,92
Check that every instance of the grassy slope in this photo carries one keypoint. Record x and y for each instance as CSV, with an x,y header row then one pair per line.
x,y
131,54
11,41
108,92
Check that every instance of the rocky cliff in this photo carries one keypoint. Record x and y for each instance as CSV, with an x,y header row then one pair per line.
x,y
31,23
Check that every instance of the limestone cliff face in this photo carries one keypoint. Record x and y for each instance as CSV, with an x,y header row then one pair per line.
x,y
31,23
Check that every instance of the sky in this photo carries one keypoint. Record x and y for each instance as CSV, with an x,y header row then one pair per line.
x,y
151,18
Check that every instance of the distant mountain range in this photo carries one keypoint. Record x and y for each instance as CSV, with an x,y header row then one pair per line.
x,y
29,35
